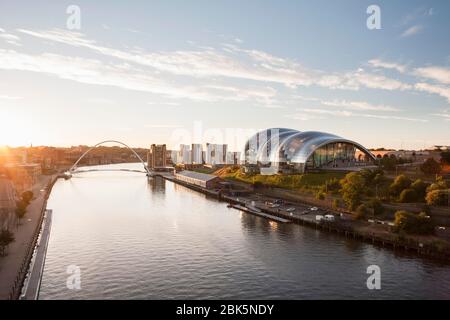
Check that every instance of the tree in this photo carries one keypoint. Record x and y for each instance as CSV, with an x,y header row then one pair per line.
x,y
20,213
437,198
377,207
361,212
352,189
27,196
413,223
430,166
336,204
445,157
6,237
408,195
400,183
439,184
320,195
421,188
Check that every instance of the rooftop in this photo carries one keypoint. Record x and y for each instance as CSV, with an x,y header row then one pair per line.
x,y
197,175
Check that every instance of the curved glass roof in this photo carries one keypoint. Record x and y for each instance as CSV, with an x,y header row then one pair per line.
x,y
289,145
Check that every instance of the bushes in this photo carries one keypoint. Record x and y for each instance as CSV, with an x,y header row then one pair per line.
x,y
437,198
320,195
400,183
408,195
413,223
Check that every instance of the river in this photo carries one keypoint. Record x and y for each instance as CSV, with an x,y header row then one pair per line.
x,y
136,238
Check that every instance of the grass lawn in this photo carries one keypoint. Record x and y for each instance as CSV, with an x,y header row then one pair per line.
x,y
307,181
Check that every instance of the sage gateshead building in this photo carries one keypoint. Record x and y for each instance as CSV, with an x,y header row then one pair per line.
x,y
281,150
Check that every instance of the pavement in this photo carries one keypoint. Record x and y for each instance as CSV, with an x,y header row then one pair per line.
x,y
10,265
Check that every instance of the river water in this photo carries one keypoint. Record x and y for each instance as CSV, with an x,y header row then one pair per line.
x,y
126,237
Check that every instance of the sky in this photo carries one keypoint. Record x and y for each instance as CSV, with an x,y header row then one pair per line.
x,y
173,72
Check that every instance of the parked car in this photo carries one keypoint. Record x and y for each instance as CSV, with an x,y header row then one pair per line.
x,y
290,209
313,208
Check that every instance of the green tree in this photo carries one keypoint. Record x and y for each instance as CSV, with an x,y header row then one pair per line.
x,y
413,223
430,166
20,213
408,195
27,196
361,212
352,189
377,207
437,198
320,195
6,237
421,188
439,184
336,204
400,183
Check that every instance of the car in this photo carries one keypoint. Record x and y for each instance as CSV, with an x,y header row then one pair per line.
x,y
290,209
275,205
313,208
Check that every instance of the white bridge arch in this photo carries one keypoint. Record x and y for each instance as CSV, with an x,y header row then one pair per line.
x,y
74,167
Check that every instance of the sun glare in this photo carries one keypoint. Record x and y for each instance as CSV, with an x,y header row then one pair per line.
x,y
14,132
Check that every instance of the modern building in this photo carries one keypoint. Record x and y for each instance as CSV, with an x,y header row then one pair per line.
x,y
281,150
157,157
203,180
233,158
216,154
197,153
184,154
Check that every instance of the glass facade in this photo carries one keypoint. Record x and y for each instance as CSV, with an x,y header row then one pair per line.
x,y
285,150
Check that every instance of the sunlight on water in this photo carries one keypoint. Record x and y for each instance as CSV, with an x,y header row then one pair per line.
x,y
134,238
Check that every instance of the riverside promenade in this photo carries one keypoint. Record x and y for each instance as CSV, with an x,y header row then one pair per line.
x,y
14,265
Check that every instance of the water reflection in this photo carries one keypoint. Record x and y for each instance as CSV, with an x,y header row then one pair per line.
x,y
142,238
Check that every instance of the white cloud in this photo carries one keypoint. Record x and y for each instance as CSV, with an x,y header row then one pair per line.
x,y
436,89
443,116
345,113
358,105
412,31
440,74
377,63
232,62
10,38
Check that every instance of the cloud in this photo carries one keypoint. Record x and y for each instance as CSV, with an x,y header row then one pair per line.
x,y
436,89
345,113
412,31
444,116
9,38
358,105
91,71
439,74
377,63
232,62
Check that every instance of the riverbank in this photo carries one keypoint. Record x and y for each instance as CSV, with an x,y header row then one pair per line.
x,y
344,225
14,266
